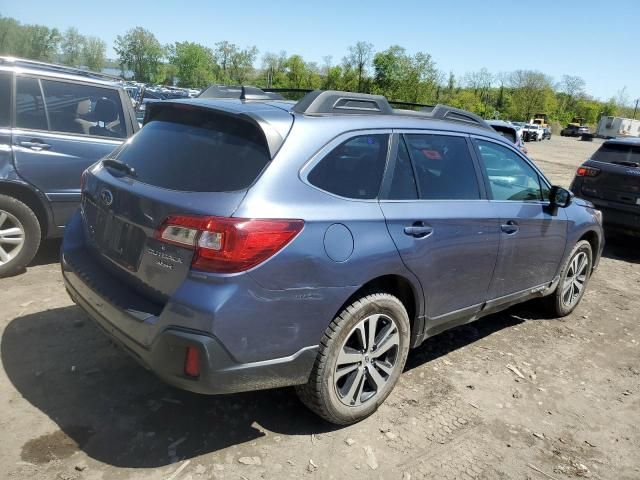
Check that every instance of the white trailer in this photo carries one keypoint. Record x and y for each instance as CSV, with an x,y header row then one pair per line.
x,y
618,127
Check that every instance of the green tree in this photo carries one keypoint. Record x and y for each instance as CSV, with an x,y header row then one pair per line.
x,y
38,42
139,51
241,64
93,53
359,58
71,46
194,64
530,93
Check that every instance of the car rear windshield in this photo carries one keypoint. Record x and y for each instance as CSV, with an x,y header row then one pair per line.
x,y
196,150
618,153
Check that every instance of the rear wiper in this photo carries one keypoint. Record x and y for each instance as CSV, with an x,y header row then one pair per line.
x,y
626,164
118,165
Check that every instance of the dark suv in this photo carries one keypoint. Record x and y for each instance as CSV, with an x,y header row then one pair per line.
x,y
245,243
611,180
54,122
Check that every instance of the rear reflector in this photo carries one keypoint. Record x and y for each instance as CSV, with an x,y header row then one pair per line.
x,y
587,172
192,362
228,245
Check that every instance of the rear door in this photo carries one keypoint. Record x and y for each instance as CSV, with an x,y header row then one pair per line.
x,y
61,128
532,236
437,215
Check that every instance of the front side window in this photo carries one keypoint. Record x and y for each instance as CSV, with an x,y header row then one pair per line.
x,y
30,113
354,168
510,177
443,167
84,109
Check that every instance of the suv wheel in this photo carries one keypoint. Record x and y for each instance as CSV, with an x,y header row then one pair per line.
x,y
574,277
19,235
362,354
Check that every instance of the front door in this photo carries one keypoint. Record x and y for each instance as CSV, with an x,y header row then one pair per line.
x,y
532,236
435,212
59,133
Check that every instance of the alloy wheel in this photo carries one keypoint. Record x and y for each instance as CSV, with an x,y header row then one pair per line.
x,y
11,237
573,284
367,359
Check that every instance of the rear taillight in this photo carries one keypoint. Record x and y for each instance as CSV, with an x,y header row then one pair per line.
x,y
192,362
228,245
587,172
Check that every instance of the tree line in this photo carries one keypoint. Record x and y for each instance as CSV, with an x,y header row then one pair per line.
x,y
393,72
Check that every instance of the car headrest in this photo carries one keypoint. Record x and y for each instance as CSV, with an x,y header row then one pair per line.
x,y
105,110
83,107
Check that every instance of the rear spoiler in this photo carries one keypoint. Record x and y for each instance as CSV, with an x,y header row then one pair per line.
x,y
275,128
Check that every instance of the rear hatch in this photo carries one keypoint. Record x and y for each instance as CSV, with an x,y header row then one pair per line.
x,y
616,177
188,159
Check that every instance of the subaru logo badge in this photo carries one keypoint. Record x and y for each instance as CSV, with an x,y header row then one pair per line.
x,y
106,196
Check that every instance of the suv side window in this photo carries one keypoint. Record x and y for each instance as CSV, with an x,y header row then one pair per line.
x,y
5,99
443,167
30,111
84,109
510,177
354,168
403,182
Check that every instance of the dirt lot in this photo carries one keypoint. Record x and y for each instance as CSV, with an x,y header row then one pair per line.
x,y
514,395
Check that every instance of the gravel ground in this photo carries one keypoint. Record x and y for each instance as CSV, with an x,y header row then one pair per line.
x,y
514,395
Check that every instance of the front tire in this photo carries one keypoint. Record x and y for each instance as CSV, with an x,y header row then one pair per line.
x,y
19,235
574,278
362,354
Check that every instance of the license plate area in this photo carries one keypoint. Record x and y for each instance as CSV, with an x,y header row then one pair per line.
x,y
114,237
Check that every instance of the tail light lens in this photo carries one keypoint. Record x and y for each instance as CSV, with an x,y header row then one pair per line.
x,y
588,172
192,362
228,245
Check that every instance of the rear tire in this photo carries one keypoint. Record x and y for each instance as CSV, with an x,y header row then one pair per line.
x,y
356,369
19,235
574,278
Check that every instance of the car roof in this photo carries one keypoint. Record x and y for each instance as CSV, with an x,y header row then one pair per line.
x,y
59,72
400,119
623,141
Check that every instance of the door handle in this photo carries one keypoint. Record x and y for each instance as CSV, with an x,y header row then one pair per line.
x,y
36,145
510,227
418,230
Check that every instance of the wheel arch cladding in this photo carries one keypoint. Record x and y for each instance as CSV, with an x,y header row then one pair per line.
x,y
592,237
31,200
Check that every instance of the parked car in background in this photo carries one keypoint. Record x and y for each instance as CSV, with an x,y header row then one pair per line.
x,y
510,132
54,122
245,243
610,179
574,131
546,133
532,133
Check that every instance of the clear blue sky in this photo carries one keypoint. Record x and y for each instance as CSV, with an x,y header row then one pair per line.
x,y
593,39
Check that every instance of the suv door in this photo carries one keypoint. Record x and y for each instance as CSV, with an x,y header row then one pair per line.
x,y
61,128
436,212
533,236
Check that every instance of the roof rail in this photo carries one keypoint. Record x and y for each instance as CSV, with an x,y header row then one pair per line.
x,y
240,92
320,102
452,114
52,67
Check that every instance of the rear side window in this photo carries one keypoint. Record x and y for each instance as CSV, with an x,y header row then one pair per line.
x,y
5,99
354,168
30,113
618,153
443,167
196,150
84,109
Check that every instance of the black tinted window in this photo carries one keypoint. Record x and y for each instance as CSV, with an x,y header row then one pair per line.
x,y
354,168
403,183
84,109
443,167
5,99
194,150
30,112
618,153
510,177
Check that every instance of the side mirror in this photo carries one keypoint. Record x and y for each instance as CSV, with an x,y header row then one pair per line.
x,y
560,197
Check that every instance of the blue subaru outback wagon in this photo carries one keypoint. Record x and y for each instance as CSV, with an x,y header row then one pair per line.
x,y
250,243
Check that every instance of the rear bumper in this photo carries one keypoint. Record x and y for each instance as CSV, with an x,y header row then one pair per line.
x,y
219,372
623,218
